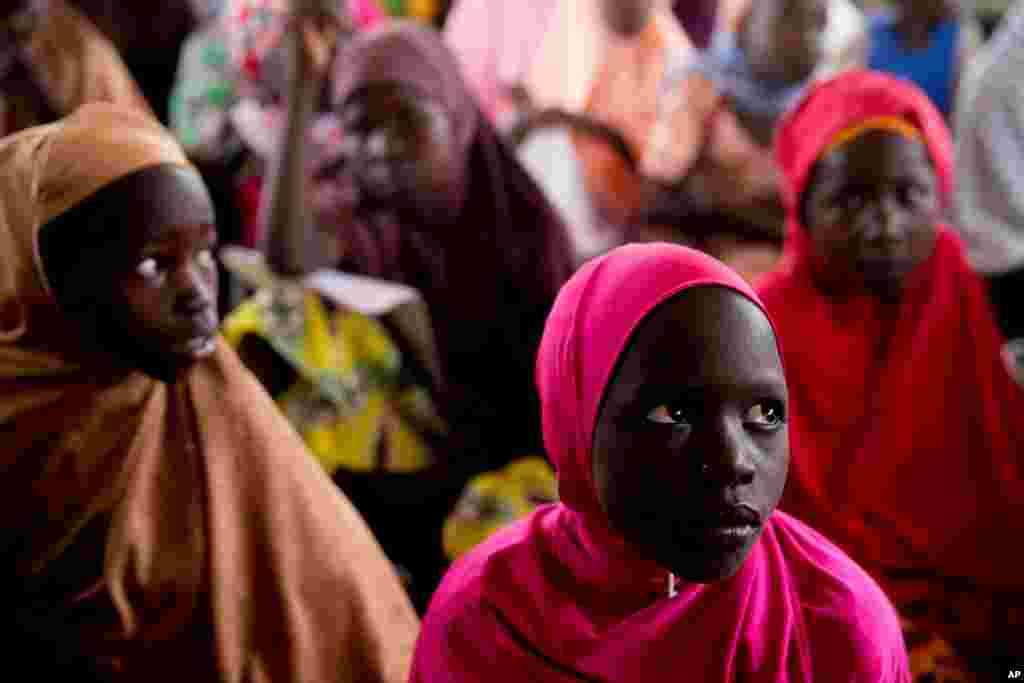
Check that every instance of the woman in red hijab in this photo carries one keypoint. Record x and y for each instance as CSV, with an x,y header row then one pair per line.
x,y
907,430
664,409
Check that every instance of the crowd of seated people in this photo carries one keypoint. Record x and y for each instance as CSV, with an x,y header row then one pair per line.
x,y
604,340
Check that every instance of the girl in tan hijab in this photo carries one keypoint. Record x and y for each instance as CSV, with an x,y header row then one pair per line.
x,y
162,521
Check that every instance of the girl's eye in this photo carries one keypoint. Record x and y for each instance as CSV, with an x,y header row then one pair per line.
x,y
148,268
205,259
669,415
766,415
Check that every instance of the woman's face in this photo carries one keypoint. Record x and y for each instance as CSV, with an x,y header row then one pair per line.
x,y
691,447
151,293
871,208
399,150
784,38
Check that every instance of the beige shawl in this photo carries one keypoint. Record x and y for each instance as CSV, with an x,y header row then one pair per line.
x,y
226,553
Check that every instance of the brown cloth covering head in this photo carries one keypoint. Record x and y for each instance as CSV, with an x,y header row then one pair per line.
x,y
164,530
76,65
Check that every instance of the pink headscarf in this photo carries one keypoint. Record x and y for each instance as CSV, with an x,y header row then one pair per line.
x,y
561,597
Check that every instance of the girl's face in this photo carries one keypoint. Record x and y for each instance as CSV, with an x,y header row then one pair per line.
x,y
691,447
151,294
871,208
399,150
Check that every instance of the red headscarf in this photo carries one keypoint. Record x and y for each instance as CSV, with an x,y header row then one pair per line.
x,y
562,597
907,432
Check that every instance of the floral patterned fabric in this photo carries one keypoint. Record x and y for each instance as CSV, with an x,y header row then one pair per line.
x,y
232,78
496,499
348,400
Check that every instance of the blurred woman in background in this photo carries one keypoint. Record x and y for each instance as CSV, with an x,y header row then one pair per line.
x,y
424,193
906,425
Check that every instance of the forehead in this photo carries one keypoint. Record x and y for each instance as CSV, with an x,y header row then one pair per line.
x,y
876,156
706,335
156,202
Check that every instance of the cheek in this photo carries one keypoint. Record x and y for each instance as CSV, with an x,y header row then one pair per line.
x,y
834,242
924,230
775,468
640,472
138,309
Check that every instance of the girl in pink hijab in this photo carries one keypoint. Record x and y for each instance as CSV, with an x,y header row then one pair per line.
x,y
664,410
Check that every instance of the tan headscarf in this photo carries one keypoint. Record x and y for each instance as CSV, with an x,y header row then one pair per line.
x,y
227,553
76,63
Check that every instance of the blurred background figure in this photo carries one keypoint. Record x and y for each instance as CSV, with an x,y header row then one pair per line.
x,y
422,193
603,63
713,178
928,42
496,43
149,38
990,156
52,60
227,107
872,299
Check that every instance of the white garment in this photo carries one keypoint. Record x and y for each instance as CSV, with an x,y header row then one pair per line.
x,y
846,28
550,157
990,152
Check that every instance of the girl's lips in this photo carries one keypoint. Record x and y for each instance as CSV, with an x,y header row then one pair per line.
x,y
732,535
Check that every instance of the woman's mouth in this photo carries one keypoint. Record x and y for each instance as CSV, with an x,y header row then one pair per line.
x,y
729,526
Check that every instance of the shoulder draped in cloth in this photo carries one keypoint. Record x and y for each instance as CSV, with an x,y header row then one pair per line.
x,y
164,532
561,596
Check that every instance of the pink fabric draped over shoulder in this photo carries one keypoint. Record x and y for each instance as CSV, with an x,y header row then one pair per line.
x,y
560,596
907,453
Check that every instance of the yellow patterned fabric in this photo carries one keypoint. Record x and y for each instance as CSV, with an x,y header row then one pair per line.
x,y
347,401
495,499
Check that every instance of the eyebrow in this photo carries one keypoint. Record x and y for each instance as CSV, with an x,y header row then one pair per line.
x,y
763,384
165,236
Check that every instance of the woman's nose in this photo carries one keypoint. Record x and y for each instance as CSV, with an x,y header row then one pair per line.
x,y
885,223
729,460
193,284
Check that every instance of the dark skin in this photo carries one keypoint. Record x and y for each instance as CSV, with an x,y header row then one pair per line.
x,y
147,293
398,156
400,151
782,40
692,435
917,18
871,208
